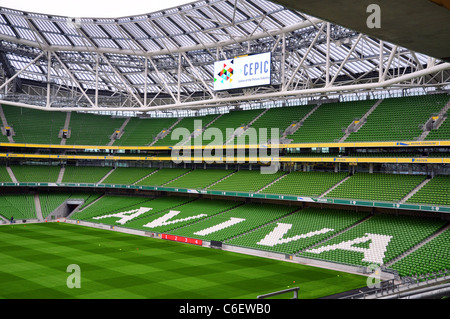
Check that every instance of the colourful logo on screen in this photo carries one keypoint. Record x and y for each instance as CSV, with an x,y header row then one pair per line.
x,y
226,74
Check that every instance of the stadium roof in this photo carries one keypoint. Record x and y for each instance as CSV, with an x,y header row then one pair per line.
x,y
91,9
165,59
420,25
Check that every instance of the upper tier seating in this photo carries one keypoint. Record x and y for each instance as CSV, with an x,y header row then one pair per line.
x,y
178,133
399,119
34,126
279,118
329,122
228,123
140,132
92,129
394,119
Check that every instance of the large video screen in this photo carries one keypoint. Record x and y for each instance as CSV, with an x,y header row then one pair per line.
x,y
247,71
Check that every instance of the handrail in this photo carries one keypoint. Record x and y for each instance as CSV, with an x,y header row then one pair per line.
x,y
276,293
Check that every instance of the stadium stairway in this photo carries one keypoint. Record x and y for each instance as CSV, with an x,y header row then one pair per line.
x,y
66,126
90,204
293,128
167,132
106,176
415,190
172,180
273,182
145,177
354,128
422,243
238,132
5,123
342,181
195,134
61,175
121,129
442,116
37,204
220,180
11,174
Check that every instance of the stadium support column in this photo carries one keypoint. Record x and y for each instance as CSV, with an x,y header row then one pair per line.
x,y
96,80
327,68
371,168
179,79
380,63
49,72
145,80
283,63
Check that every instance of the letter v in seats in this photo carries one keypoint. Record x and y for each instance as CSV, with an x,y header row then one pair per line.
x,y
166,219
275,237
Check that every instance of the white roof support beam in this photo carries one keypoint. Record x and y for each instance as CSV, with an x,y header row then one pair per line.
x,y
345,60
199,76
22,70
74,80
306,54
163,80
124,80
278,94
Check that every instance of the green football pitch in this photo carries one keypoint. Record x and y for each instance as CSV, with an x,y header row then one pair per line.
x,y
34,260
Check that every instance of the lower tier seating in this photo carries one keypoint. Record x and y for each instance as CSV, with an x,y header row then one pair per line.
x,y
298,231
234,222
18,206
305,183
376,240
433,257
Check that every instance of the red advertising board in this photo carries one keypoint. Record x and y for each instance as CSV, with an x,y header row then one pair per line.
x,y
182,239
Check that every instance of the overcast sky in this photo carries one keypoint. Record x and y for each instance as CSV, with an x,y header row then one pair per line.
x,y
92,8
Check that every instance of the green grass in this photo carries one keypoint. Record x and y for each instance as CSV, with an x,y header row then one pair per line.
x,y
34,259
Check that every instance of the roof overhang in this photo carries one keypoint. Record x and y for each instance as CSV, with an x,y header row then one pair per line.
x,y
419,25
